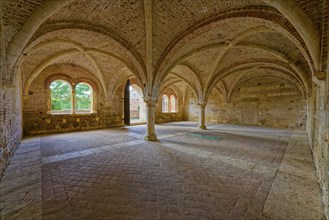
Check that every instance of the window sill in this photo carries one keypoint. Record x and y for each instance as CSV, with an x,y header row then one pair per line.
x,y
74,114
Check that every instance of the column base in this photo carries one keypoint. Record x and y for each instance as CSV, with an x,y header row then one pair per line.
x,y
202,127
152,137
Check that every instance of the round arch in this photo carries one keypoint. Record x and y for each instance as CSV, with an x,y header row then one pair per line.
x,y
77,49
61,97
250,65
23,36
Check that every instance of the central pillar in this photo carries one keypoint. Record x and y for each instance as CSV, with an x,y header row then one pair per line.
x,y
202,116
150,120
73,100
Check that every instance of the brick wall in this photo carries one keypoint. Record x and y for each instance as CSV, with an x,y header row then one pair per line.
x,y
38,118
10,107
260,102
168,117
11,119
163,117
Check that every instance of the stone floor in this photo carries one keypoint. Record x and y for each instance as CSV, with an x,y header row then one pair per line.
x,y
246,173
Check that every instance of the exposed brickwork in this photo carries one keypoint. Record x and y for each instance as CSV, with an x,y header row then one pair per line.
x,y
325,35
123,18
261,13
16,13
260,101
313,9
11,119
37,116
108,66
189,17
162,117
253,58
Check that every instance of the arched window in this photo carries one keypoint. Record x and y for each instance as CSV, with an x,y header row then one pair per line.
x,y
61,97
83,98
173,104
165,103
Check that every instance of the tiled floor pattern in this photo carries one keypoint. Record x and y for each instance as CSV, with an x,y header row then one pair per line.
x,y
252,173
20,187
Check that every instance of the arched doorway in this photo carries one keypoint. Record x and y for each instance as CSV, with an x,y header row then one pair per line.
x,y
137,105
126,113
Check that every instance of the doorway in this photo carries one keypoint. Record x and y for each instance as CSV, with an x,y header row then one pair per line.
x,y
137,105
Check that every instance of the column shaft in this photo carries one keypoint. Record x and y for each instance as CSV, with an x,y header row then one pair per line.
x,y
202,116
150,120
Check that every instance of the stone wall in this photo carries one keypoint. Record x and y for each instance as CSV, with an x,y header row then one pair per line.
x,y
261,102
10,107
11,119
35,123
37,115
318,131
163,117
168,117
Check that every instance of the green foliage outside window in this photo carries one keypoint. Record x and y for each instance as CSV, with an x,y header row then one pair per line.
x,y
83,94
60,96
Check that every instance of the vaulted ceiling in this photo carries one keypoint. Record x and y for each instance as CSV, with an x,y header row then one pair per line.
x,y
205,44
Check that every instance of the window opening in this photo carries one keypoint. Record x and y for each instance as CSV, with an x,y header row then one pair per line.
x,y
173,104
165,103
61,97
83,97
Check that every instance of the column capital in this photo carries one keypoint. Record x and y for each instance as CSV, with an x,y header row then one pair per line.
x,y
320,75
150,100
202,104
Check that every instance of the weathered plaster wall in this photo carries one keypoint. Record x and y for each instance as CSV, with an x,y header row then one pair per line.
x,y
37,116
262,102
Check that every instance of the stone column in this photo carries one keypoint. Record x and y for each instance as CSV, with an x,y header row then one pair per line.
x,y
3,64
202,115
73,100
150,119
2,75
